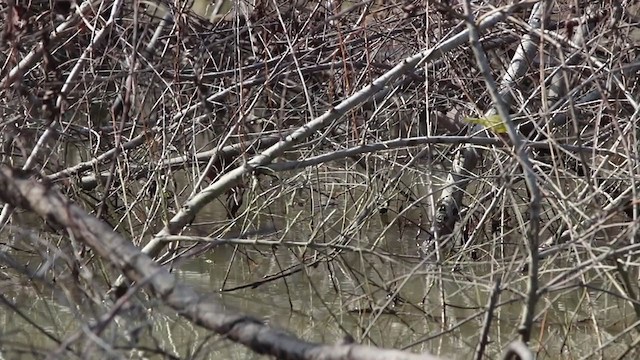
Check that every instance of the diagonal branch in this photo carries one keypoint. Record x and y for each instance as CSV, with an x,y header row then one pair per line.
x,y
17,189
522,156
225,182
466,159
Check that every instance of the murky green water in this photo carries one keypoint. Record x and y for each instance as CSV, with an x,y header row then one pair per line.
x,y
393,301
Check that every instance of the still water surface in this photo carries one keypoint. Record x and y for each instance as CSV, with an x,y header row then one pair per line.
x,y
396,300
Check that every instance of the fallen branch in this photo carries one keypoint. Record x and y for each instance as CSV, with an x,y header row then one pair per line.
x,y
19,189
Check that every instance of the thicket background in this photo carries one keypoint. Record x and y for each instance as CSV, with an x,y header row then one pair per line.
x,y
309,163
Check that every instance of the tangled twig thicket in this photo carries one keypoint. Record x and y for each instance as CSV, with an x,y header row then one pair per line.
x,y
334,128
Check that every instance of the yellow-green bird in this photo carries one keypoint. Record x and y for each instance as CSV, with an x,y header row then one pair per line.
x,y
492,122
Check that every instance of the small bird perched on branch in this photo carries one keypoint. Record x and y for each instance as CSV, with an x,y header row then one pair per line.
x,y
492,122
